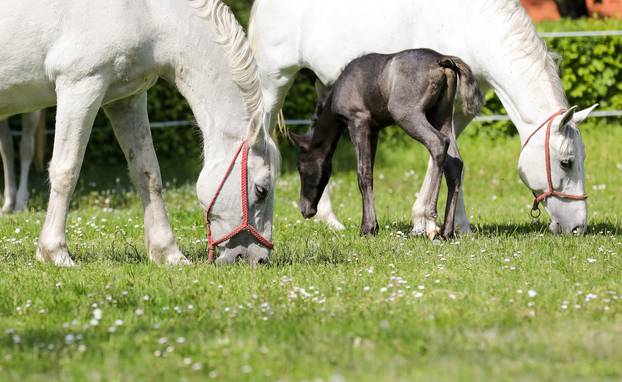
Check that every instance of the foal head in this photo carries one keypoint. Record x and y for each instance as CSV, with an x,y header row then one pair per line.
x,y
317,147
566,206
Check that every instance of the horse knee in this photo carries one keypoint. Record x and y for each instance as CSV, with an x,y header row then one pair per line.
x,y
148,180
63,178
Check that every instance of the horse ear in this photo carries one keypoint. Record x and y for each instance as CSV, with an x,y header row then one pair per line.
x,y
582,115
567,117
302,141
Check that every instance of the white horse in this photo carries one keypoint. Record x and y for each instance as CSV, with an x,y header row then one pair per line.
x,y
83,55
495,37
16,198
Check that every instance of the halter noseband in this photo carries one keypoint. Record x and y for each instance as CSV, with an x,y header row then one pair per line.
x,y
245,225
535,211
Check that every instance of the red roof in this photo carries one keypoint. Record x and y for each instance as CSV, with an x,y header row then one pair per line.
x,y
546,9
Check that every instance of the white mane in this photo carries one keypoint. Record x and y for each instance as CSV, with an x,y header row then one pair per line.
x,y
521,36
244,71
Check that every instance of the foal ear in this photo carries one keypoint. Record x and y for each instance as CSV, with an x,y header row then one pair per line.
x,y
582,115
302,141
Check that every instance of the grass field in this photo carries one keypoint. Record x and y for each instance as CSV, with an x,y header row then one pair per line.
x,y
509,302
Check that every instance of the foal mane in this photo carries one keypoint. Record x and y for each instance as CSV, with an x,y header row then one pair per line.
x,y
244,71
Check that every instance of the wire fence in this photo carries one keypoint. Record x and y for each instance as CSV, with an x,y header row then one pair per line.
x,y
484,118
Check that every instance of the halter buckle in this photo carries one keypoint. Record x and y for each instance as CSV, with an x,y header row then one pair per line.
x,y
535,210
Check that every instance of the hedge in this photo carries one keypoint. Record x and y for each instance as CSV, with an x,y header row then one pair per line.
x,y
591,71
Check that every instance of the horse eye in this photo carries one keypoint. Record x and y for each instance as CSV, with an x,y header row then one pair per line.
x,y
566,164
261,192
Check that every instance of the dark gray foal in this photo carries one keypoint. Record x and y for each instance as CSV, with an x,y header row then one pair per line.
x,y
414,89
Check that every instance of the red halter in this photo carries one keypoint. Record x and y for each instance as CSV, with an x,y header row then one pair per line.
x,y
547,157
244,226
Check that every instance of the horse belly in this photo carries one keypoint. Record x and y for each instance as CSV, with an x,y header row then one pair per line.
x,y
332,34
25,35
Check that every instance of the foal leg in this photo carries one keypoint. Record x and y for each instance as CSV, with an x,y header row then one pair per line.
x,y
453,175
30,122
77,105
462,223
8,164
131,126
325,211
365,143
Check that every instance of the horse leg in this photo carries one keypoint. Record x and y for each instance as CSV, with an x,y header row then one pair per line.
x,y
418,127
8,164
130,123
77,105
460,121
30,121
365,142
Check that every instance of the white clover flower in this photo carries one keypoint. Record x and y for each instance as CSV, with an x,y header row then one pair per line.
x,y
97,314
532,293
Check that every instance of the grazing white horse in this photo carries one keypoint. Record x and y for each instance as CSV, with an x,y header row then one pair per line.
x,y
16,198
495,37
82,56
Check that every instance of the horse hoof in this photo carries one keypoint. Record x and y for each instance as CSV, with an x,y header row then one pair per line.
x,y
331,221
432,230
59,257
173,258
420,225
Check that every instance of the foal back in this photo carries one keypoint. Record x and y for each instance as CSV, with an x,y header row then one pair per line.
x,y
386,89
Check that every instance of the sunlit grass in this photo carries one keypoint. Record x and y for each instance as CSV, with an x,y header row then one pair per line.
x,y
509,302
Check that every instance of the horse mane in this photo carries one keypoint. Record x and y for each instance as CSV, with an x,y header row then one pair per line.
x,y
524,43
244,69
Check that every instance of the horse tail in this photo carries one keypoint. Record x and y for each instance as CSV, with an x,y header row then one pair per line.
x,y
472,100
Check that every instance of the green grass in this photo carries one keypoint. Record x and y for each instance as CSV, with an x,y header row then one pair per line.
x,y
509,302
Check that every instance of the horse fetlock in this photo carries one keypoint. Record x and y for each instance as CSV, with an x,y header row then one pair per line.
x,y
163,249
22,201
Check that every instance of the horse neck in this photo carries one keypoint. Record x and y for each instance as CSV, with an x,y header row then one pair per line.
x,y
200,67
517,65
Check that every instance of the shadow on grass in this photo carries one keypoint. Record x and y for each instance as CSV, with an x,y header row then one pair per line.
x,y
504,230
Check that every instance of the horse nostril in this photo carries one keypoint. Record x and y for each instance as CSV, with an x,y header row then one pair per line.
x,y
263,261
578,230
238,258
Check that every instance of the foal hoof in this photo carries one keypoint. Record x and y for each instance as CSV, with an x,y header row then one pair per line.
x,y
370,230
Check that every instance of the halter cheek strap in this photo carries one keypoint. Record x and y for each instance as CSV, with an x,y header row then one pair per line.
x,y
245,225
535,211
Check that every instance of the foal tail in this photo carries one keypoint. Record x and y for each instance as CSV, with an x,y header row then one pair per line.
x,y
472,100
